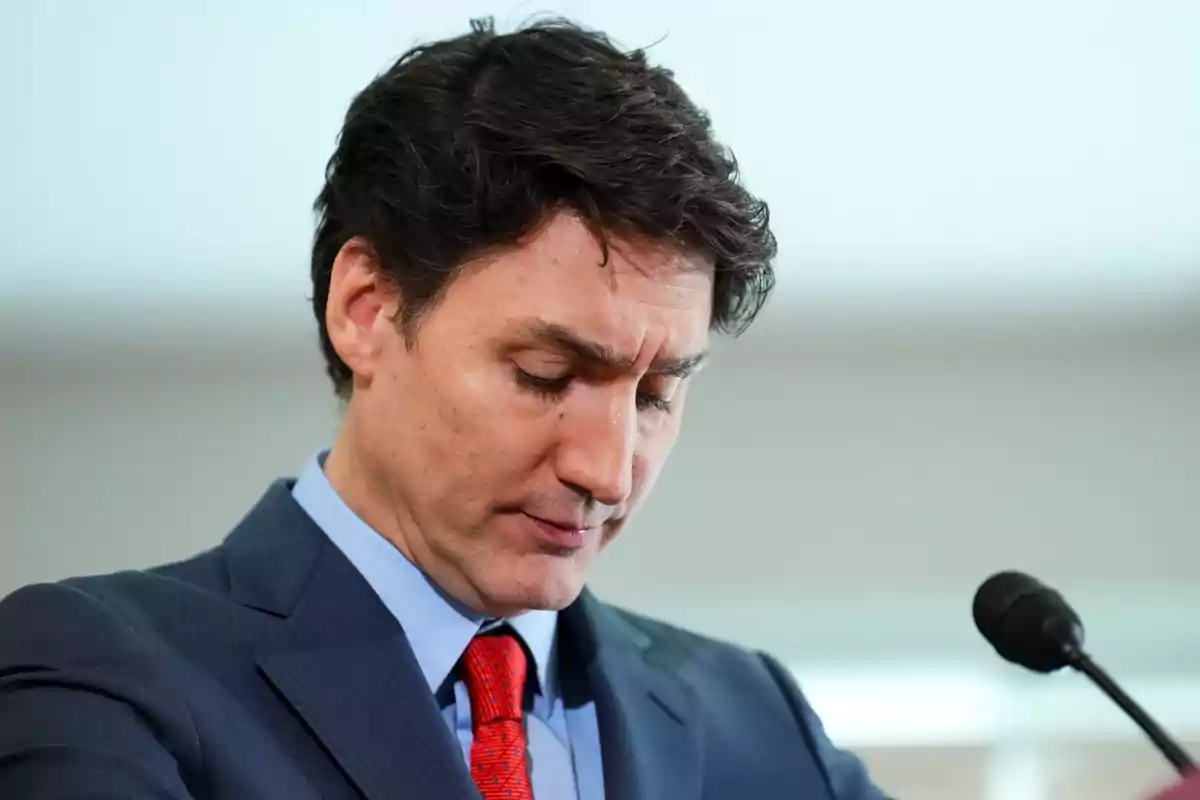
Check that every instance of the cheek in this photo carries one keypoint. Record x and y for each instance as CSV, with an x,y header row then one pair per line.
x,y
489,427
650,459
463,391
658,432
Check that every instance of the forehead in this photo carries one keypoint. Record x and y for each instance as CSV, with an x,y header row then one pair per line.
x,y
645,295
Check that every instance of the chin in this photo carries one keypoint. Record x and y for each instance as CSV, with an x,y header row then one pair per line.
x,y
554,602
539,589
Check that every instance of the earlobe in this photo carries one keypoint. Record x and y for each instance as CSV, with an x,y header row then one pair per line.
x,y
360,307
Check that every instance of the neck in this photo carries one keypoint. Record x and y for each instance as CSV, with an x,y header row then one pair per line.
x,y
359,484
352,477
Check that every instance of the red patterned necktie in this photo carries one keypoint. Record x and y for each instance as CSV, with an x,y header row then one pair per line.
x,y
495,676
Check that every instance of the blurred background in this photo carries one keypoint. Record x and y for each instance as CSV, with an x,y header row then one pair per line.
x,y
984,352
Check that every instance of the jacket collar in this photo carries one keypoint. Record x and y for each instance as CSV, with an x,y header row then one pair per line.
x,y
345,666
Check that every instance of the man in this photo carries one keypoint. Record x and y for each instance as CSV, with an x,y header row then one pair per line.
x,y
524,241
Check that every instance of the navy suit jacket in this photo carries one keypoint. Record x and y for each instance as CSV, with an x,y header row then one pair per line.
x,y
267,668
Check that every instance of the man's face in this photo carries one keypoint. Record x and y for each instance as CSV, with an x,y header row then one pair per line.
x,y
534,411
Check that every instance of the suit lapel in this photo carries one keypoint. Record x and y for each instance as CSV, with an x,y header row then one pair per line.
x,y
651,743
344,666
341,661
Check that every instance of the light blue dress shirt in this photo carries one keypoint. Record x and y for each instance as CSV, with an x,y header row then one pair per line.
x,y
564,743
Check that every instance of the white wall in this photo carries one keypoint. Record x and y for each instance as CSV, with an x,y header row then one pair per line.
x,y
1033,147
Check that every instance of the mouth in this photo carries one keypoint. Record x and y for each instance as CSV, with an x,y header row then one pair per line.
x,y
561,535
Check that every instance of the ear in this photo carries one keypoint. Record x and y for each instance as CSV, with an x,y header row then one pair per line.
x,y
361,309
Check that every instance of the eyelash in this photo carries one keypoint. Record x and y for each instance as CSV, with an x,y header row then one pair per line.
x,y
553,387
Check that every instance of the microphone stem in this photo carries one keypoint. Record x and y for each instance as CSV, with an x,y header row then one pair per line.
x,y
1174,753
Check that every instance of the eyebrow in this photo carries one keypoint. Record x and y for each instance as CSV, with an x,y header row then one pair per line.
x,y
563,338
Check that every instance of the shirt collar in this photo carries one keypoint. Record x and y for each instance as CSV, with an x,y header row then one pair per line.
x,y
438,627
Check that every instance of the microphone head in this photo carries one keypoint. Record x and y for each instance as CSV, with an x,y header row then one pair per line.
x,y
1027,622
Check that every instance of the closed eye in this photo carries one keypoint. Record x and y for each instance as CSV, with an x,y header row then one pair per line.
x,y
556,385
646,400
542,384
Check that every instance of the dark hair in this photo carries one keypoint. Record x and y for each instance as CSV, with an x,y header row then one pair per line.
x,y
467,144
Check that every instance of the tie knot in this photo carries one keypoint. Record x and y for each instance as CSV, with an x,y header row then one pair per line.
x,y
495,675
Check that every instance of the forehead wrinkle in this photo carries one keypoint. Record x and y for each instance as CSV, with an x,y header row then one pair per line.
x,y
564,338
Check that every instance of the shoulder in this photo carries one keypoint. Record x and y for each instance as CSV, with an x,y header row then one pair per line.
x,y
43,621
753,686
79,671
105,616
699,656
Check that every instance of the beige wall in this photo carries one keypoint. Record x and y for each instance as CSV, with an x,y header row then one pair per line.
x,y
835,498
879,477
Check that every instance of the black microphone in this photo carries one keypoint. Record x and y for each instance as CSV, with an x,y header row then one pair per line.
x,y
1032,626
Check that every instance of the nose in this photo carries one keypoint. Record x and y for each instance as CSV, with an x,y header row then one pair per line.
x,y
596,449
